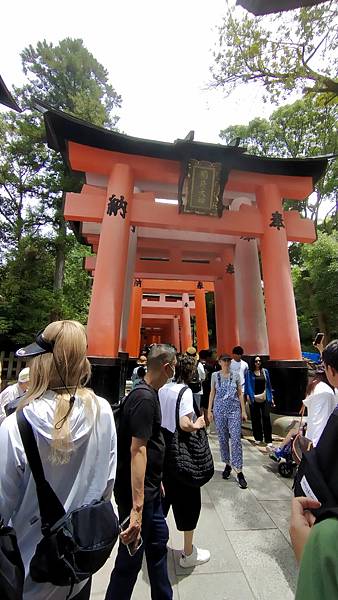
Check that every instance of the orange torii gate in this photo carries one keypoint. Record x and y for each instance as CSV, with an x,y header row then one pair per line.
x,y
224,196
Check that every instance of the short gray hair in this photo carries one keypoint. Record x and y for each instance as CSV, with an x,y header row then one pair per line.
x,y
160,354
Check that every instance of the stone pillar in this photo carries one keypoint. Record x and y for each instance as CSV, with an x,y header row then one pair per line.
x,y
185,325
135,320
281,316
201,320
249,299
104,319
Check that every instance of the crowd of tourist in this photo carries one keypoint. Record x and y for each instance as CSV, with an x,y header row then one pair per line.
x,y
86,454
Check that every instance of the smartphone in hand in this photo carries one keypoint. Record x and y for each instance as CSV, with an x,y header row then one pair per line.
x,y
132,548
318,339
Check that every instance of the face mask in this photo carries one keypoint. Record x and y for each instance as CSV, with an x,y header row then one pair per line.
x,y
169,380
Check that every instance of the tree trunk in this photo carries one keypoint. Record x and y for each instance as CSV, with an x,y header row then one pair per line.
x,y
323,327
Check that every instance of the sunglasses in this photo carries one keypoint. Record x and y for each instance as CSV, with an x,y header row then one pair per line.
x,y
258,361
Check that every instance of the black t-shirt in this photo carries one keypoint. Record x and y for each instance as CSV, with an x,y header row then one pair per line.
x,y
259,384
141,419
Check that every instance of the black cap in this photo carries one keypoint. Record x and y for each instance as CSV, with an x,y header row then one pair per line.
x,y
40,346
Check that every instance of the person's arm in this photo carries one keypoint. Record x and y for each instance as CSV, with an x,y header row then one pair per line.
x,y
301,522
186,423
241,399
211,399
12,470
107,494
186,413
138,453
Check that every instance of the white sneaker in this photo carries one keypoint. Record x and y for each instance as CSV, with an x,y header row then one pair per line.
x,y
271,447
197,557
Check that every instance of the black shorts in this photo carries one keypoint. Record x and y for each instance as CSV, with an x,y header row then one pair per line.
x,y
185,502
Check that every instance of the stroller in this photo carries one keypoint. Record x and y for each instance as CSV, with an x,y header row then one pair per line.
x,y
284,457
290,454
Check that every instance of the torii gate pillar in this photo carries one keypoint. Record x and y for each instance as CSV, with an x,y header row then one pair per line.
x,y
135,320
280,304
201,320
186,338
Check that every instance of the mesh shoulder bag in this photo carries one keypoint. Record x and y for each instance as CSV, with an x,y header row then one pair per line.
x,y
76,544
189,457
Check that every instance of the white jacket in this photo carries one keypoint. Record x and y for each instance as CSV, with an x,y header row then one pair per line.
x,y
89,475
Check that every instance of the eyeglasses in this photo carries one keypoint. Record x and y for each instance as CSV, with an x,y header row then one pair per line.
x,y
258,361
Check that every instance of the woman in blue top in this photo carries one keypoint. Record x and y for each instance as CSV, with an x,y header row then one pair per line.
x,y
226,406
258,389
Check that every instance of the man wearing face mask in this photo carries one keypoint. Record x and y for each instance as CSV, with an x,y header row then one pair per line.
x,y
138,483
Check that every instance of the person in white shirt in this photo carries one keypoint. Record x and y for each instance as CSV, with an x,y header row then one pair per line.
x,y
184,500
76,438
320,402
238,365
10,396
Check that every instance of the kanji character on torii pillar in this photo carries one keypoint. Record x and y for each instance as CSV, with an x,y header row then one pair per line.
x,y
124,178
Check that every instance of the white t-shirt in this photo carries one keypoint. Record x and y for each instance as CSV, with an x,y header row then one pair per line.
x,y
201,374
320,404
168,398
89,475
239,367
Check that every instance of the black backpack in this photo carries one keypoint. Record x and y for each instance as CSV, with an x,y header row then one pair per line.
x,y
317,475
76,544
118,408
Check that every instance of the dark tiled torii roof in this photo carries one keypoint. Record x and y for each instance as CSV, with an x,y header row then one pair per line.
x,y
62,127
6,97
265,7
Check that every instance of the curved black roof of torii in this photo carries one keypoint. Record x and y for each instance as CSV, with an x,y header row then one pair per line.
x,y
6,97
62,127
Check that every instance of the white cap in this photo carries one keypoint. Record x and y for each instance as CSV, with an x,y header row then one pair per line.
x,y
24,375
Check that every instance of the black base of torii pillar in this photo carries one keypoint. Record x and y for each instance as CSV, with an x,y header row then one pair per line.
x,y
109,376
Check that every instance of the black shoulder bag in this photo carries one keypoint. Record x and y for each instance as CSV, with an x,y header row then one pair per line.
x,y
12,572
76,544
189,457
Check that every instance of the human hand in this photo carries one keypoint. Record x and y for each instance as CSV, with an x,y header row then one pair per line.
x,y
133,533
244,416
320,347
301,522
210,416
199,423
162,490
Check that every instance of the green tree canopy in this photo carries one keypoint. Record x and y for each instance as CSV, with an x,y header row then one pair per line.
x,y
315,282
33,184
68,77
305,128
287,52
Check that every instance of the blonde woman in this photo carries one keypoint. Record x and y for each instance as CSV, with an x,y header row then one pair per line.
x,y
76,437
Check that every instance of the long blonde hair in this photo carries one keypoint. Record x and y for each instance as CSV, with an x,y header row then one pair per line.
x,y
67,367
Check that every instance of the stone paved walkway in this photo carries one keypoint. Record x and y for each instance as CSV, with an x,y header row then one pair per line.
x,y
246,532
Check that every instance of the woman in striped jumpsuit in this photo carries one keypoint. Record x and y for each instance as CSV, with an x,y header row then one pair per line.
x,y
226,406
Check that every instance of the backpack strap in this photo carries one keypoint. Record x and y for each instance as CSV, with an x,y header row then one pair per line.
x,y
50,507
178,402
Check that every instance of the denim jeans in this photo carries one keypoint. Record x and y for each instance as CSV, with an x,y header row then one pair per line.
x,y
155,537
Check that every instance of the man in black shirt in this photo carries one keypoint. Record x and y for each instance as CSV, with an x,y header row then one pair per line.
x,y
138,483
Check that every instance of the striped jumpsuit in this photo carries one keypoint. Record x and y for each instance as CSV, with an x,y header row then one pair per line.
x,y
228,419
